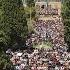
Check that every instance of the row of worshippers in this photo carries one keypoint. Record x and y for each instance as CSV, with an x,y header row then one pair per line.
x,y
49,30
41,59
48,10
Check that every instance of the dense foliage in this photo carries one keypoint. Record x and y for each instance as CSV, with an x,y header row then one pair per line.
x,y
5,63
66,19
13,24
13,29
30,3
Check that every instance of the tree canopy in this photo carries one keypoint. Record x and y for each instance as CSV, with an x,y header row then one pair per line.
x,y
13,29
30,3
13,24
66,19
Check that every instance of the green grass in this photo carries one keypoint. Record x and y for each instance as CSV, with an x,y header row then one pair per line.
x,y
43,45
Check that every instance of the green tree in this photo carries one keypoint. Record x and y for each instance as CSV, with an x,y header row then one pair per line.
x,y
31,8
13,24
66,19
5,63
30,3
13,29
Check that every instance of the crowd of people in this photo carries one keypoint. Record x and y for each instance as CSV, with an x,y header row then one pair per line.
x,y
47,10
55,58
41,59
49,30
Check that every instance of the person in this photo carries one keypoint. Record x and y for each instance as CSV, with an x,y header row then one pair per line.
x,y
57,68
17,68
